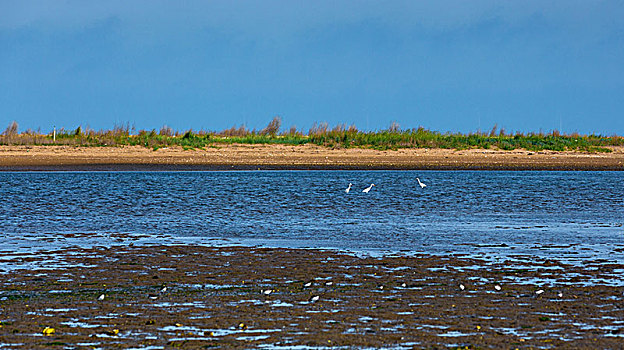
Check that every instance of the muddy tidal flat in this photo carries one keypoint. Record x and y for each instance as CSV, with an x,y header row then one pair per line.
x,y
186,296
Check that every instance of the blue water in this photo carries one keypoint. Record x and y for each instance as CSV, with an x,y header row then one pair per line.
x,y
495,212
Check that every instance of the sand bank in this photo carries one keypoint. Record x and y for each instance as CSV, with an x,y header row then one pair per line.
x,y
226,157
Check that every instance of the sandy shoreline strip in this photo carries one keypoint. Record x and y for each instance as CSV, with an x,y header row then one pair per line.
x,y
237,157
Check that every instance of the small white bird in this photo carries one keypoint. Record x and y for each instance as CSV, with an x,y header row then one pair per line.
x,y
101,297
403,285
349,188
314,298
539,292
422,185
367,189
497,287
267,292
308,284
560,294
329,283
163,290
461,286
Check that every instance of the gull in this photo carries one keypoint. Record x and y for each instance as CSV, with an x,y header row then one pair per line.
x,y
308,284
367,189
560,294
539,292
101,297
497,287
422,185
163,290
403,285
314,298
267,292
349,188
329,283
461,286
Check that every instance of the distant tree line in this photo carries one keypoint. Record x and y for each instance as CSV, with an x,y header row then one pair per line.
x,y
340,136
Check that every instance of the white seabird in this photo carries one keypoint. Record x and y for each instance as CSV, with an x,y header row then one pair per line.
x,y
422,185
367,189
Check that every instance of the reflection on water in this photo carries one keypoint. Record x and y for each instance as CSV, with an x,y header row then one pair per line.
x,y
546,213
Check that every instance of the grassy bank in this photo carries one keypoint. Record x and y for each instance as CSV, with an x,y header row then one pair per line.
x,y
337,137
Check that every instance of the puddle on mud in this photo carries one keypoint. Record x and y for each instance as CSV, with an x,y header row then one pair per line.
x,y
219,290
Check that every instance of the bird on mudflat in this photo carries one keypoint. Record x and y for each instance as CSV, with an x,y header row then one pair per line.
x,y
367,189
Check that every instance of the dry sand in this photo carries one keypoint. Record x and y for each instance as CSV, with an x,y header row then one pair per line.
x,y
223,157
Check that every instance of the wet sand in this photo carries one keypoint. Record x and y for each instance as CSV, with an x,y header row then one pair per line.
x,y
216,297
230,157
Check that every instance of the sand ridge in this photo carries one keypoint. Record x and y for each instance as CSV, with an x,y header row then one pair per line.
x,y
243,156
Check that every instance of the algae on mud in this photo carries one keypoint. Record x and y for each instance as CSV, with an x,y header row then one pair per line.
x,y
213,298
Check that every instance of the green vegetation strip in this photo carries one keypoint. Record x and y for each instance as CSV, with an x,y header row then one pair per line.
x,y
338,137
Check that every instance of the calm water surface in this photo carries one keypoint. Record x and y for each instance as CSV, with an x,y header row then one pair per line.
x,y
559,214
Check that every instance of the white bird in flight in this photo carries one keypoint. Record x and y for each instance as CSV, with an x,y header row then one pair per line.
x,y
349,188
422,185
367,189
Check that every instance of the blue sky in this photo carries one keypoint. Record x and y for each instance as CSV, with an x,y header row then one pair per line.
x,y
445,65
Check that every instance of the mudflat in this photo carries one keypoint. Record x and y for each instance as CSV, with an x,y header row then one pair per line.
x,y
238,156
185,296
